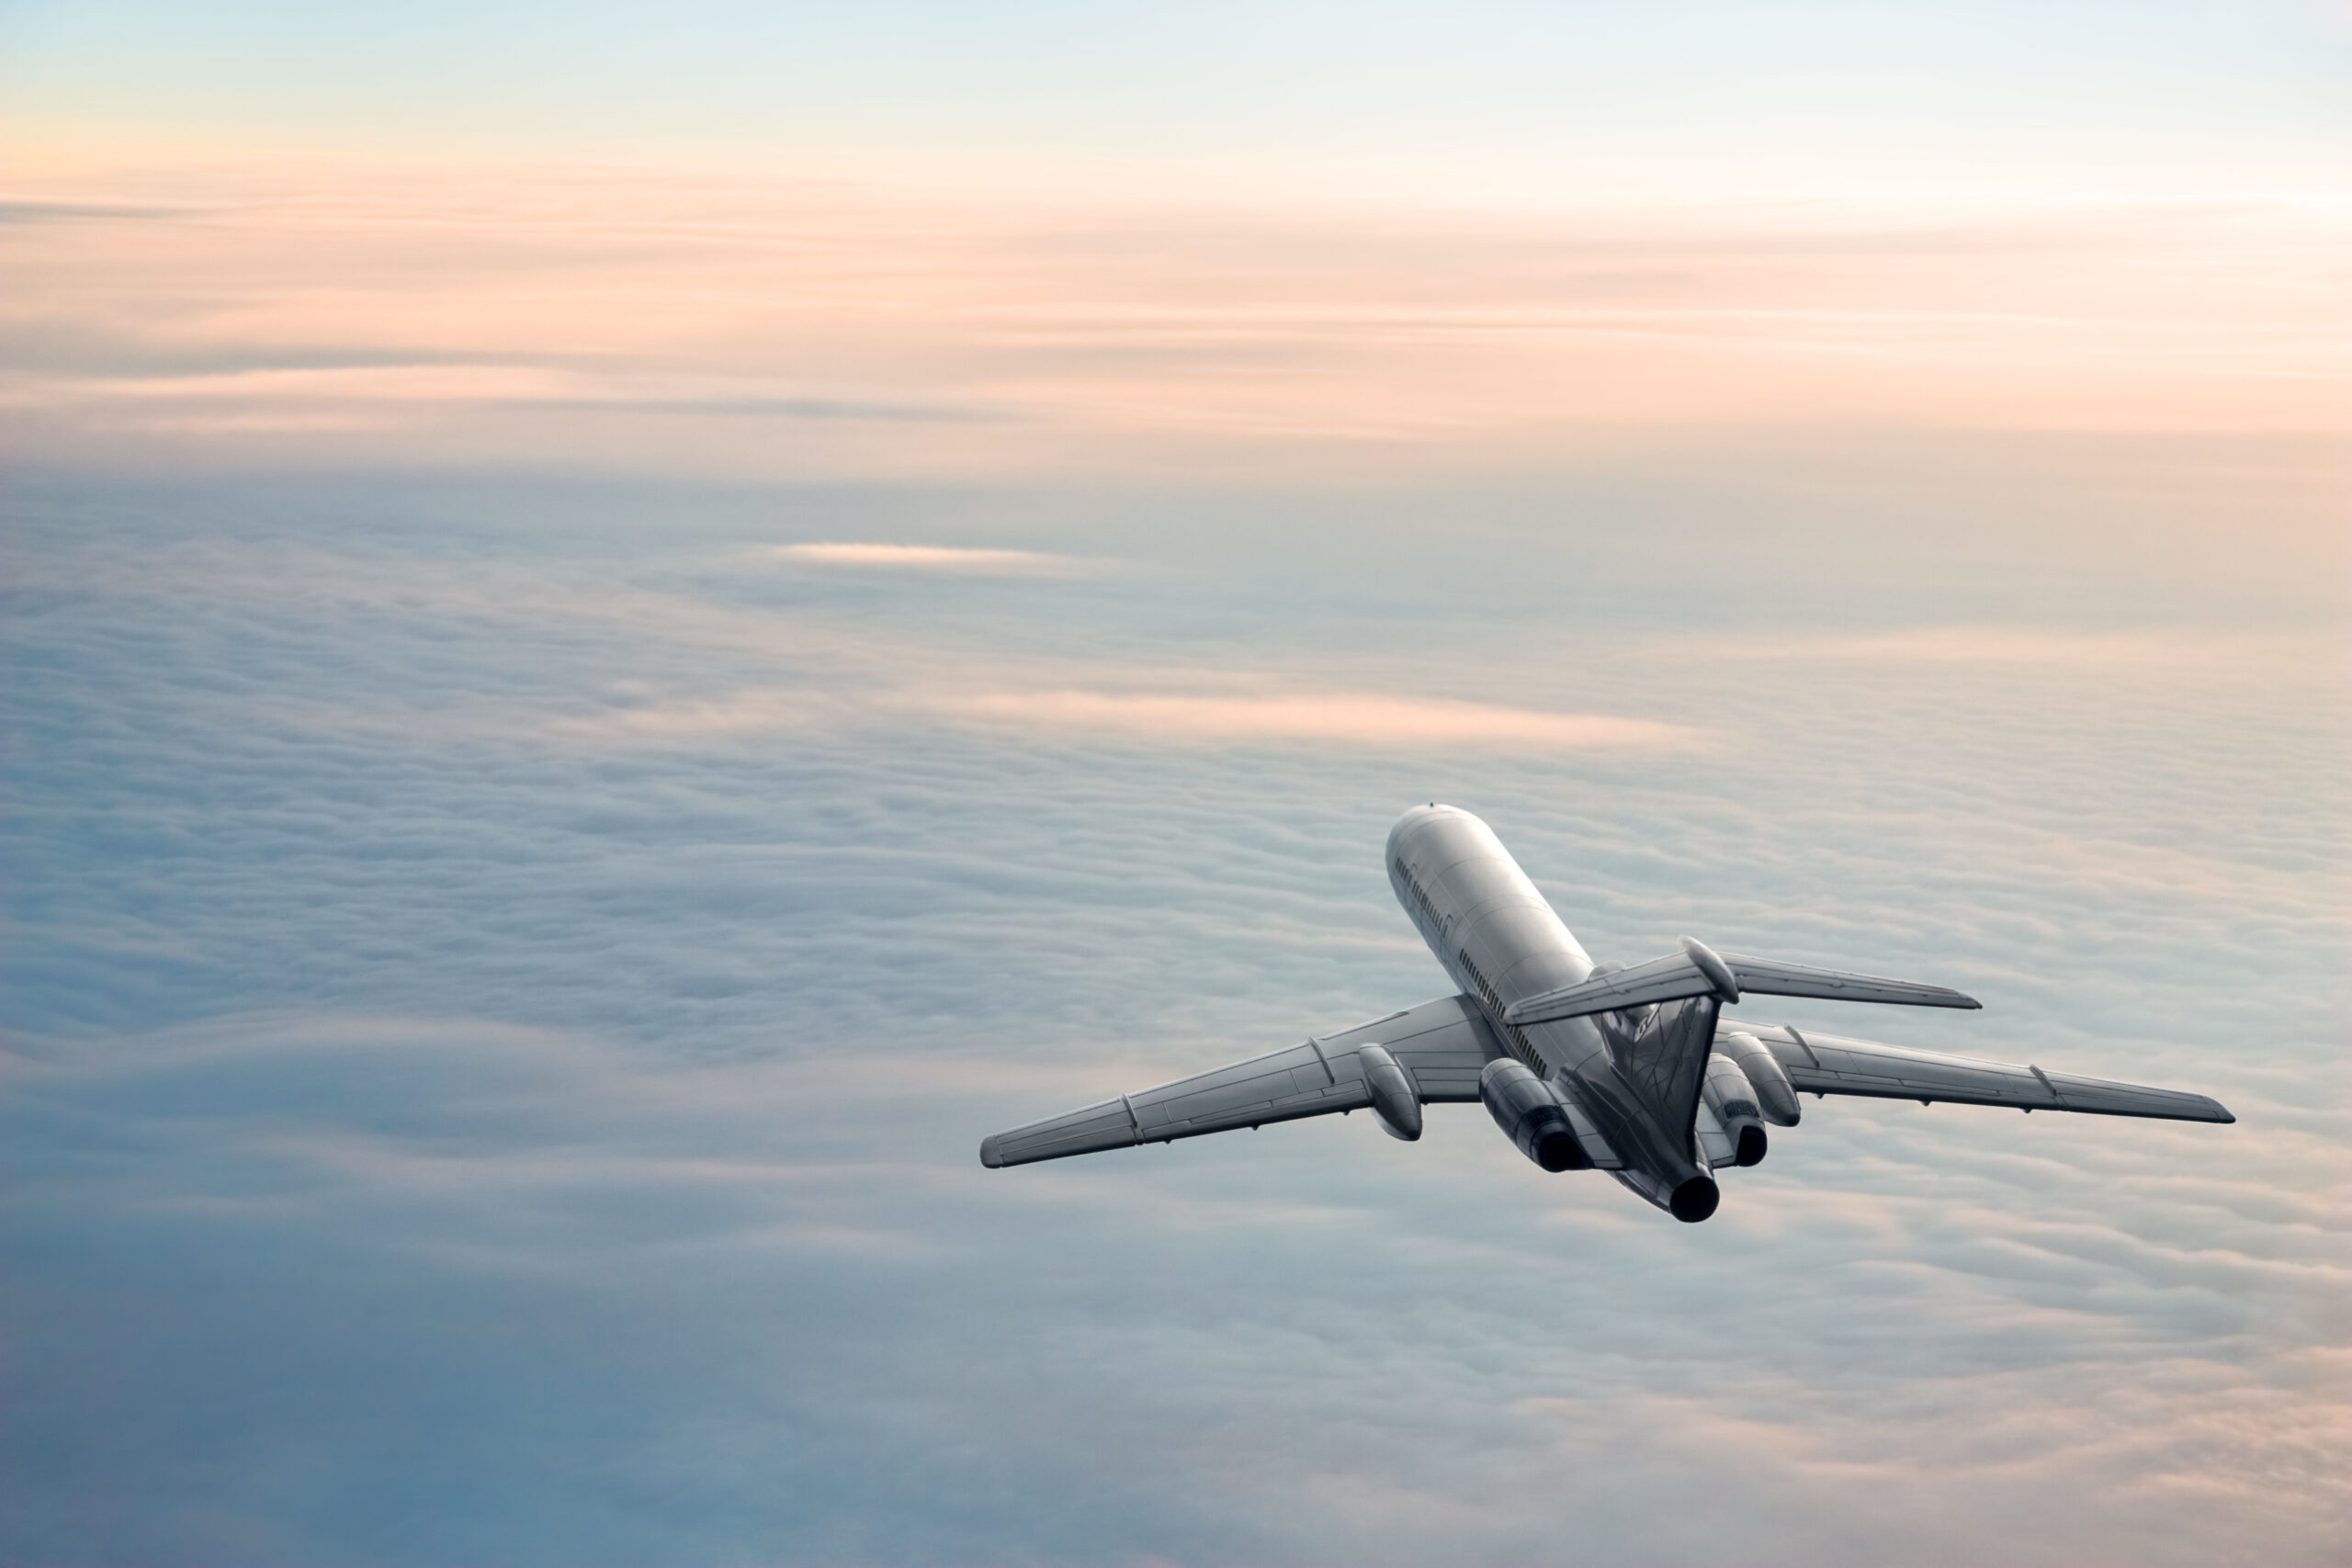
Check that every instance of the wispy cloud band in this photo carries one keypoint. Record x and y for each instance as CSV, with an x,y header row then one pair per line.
x,y
1342,718
1014,346
1310,720
938,557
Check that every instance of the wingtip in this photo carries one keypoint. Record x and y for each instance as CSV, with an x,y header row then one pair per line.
x,y
991,1154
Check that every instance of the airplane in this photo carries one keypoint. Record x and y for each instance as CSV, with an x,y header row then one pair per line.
x,y
1585,1066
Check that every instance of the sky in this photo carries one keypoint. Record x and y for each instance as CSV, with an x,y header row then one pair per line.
x,y
627,629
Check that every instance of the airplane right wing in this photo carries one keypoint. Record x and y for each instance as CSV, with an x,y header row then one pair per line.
x,y
1829,1064
1443,1045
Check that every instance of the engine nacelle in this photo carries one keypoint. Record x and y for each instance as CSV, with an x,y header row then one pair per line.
x,y
1394,1104
1531,1115
1775,1096
1732,1100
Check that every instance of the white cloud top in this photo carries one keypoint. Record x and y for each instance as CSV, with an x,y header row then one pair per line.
x,y
502,1003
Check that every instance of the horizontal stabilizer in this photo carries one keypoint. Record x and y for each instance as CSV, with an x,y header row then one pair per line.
x,y
1769,978
1700,971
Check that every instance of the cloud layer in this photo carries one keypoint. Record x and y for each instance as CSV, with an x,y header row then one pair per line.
x,y
576,318
439,1133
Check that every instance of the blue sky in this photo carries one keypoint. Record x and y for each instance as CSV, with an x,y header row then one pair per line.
x,y
624,632
1510,103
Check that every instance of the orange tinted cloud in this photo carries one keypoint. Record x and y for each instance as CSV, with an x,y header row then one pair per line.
x,y
1366,719
790,329
1370,721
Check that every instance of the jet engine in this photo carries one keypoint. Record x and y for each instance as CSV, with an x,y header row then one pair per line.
x,y
1531,1115
1732,1100
1394,1104
1775,1096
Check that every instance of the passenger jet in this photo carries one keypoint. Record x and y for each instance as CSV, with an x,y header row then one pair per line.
x,y
1585,1066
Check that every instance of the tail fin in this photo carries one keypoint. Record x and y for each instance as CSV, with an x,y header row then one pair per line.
x,y
1662,1051
1699,971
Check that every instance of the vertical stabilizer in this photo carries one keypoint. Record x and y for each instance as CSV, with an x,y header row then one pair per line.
x,y
1662,1051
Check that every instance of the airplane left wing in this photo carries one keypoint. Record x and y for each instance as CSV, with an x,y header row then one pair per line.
x,y
1443,1045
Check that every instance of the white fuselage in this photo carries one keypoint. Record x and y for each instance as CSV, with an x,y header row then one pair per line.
x,y
1501,942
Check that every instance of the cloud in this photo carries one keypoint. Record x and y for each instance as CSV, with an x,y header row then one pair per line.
x,y
428,1143
1314,720
579,317
1344,718
938,557
330,1254
2138,650
13,212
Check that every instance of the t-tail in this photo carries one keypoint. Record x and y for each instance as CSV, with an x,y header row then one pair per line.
x,y
1700,971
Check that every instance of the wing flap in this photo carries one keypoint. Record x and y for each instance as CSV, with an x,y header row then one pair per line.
x,y
1441,1045
1829,1064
